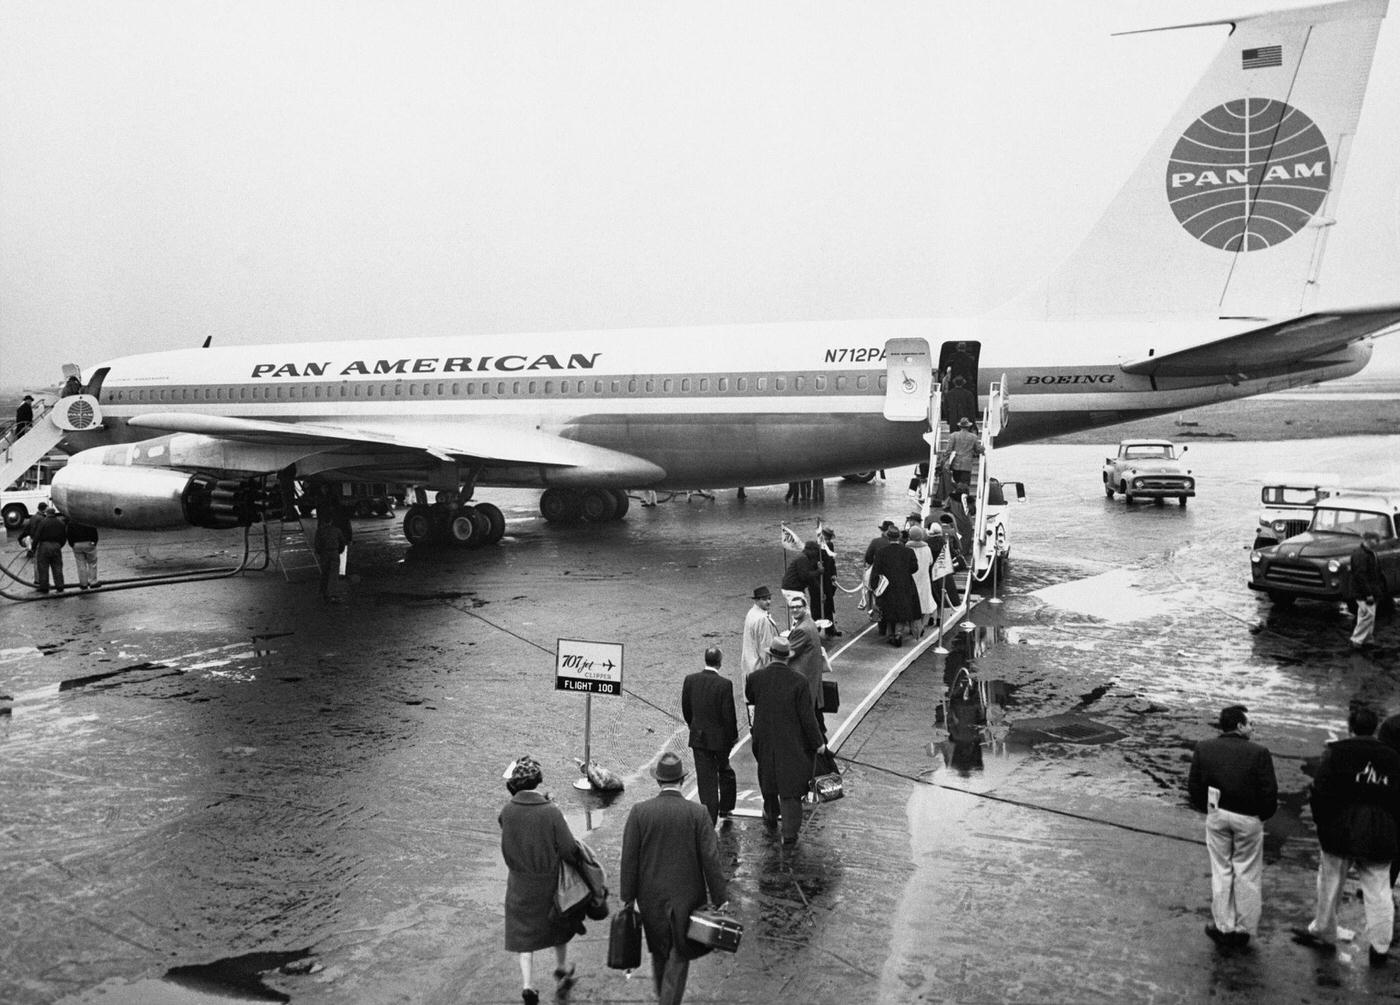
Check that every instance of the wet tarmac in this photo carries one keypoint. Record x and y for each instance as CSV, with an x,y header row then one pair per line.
x,y
227,789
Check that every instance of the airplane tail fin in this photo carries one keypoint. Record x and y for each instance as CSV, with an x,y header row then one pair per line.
x,y
1228,213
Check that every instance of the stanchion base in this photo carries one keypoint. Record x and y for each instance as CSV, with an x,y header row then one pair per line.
x,y
967,626
996,600
582,783
938,650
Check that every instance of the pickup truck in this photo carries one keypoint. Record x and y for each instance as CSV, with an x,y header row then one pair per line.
x,y
1148,469
1316,564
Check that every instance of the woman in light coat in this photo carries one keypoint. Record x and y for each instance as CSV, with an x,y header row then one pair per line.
x,y
922,581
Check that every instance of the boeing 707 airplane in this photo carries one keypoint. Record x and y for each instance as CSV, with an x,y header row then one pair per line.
x,y
1197,286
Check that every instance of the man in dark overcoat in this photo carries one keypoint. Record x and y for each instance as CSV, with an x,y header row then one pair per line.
x,y
806,655
785,739
707,704
670,867
803,575
1355,804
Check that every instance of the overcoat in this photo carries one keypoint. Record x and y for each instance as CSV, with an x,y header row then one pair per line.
x,y
534,838
707,705
785,731
1355,799
670,867
923,581
900,601
807,657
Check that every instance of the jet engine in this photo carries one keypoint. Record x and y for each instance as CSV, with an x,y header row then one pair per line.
x,y
134,498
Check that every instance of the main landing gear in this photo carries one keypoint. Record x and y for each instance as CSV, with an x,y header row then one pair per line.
x,y
467,525
583,505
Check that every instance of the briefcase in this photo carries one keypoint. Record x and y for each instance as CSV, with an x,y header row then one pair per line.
x,y
715,931
831,696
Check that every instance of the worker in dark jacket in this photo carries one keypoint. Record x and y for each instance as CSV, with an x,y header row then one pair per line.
x,y
1366,586
82,541
707,704
1355,806
49,536
804,576
1232,782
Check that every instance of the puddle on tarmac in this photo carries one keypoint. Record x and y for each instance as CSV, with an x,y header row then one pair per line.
x,y
236,979
1112,596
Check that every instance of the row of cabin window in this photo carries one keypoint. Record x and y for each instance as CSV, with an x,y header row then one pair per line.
x,y
633,385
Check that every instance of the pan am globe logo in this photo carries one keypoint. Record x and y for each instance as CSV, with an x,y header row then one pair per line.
x,y
1248,174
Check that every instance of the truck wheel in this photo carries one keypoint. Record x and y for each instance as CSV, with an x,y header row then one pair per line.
x,y
15,515
1108,489
1127,496
1182,501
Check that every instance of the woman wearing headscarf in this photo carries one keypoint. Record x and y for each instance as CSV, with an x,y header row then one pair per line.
x,y
922,581
535,838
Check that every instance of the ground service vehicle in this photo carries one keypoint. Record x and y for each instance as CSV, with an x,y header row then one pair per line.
x,y
1316,564
23,497
1148,469
1286,504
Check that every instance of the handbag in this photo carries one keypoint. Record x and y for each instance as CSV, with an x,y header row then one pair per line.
x,y
572,892
826,778
625,940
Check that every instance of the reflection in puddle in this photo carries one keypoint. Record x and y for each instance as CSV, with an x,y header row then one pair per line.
x,y
1112,596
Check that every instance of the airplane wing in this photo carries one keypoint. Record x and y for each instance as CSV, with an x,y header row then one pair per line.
x,y
463,442
1297,340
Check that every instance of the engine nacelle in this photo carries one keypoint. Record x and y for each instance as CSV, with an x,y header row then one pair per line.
x,y
135,498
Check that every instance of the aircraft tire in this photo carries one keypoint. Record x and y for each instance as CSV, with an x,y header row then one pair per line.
x,y
624,502
496,521
461,527
482,523
14,515
561,506
599,505
418,525
382,506
859,477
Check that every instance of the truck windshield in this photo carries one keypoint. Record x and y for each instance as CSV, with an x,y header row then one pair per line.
x,y
1153,451
1350,521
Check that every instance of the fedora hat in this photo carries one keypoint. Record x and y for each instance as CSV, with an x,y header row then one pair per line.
x,y
668,768
964,423
762,593
886,525
779,647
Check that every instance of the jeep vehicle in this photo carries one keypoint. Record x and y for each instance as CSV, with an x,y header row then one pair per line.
x,y
1148,469
1316,563
1286,504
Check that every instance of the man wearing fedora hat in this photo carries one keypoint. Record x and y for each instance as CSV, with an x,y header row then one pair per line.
x,y
759,629
786,737
24,415
670,867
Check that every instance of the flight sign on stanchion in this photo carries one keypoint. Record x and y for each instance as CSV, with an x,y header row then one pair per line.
x,y
588,668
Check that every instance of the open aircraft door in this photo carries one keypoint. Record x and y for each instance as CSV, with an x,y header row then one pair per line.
x,y
909,379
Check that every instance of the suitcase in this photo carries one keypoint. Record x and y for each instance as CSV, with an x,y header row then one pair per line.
x,y
831,696
715,931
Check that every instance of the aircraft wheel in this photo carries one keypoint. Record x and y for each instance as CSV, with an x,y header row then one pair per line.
x,y
859,477
418,525
461,527
599,505
561,506
495,520
482,523
624,502
382,506
14,515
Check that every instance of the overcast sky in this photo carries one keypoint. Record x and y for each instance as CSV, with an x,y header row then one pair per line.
x,y
289,171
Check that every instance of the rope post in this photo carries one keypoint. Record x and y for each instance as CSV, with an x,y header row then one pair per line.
x,y
583,782
939,650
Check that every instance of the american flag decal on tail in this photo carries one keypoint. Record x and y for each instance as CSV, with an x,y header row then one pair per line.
x,y
1265,55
